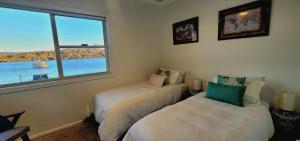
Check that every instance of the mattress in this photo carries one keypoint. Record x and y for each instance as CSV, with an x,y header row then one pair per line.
x,y
199,118
118,109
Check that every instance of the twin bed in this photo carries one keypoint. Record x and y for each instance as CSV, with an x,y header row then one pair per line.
x,y
199,118
146,112
118,109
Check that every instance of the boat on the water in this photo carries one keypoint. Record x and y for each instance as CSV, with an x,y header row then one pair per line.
x,y
40,77
39,64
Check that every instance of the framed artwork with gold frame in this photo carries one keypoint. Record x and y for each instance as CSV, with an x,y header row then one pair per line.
x,y
244,21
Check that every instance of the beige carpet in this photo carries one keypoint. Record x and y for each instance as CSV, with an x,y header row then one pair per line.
x,y
84,132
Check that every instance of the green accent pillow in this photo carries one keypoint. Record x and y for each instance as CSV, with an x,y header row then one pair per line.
x,y
226,93
231,80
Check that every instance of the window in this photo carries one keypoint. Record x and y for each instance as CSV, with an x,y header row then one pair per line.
x,y
79,61
40,45
77,32
82,50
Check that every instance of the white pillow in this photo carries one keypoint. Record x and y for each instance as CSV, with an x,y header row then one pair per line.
x,y
176,77
253,91
157,80
215,79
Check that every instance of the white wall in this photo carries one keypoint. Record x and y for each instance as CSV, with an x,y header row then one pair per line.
x,y
133,44
276,56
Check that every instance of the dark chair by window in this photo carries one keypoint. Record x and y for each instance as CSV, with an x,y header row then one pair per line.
x,y
8,132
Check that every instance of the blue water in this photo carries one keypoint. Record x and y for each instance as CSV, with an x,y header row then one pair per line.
x,y
15,72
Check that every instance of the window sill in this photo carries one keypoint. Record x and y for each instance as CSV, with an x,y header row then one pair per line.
x,y
54,83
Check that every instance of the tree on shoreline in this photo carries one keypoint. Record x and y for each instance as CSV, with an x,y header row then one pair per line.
x,y
50,55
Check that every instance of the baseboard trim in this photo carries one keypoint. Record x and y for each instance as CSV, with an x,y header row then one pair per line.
x,y
55,129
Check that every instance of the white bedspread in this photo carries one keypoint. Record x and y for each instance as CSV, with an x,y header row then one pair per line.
x,y
202,119
118,109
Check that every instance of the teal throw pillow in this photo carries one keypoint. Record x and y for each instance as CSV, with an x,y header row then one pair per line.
x,y
226,93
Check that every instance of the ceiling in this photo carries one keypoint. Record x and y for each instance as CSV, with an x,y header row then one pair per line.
x,y
158,2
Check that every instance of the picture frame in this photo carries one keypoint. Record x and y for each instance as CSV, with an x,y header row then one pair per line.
x,y
186,31
244,21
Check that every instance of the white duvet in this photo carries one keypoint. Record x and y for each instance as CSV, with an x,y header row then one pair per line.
x,y
118,109
202,119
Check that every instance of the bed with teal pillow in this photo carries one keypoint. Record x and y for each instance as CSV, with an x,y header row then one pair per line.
x,y
226,93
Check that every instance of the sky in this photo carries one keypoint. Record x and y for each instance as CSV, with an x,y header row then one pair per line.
x,y
27,31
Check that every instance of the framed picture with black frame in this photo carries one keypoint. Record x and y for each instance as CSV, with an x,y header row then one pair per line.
x,y
186,31
244,21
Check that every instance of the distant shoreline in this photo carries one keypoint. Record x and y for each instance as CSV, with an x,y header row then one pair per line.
x,y
51,60
50,55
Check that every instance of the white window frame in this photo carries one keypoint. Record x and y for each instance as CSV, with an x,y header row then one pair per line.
x,y
57,47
